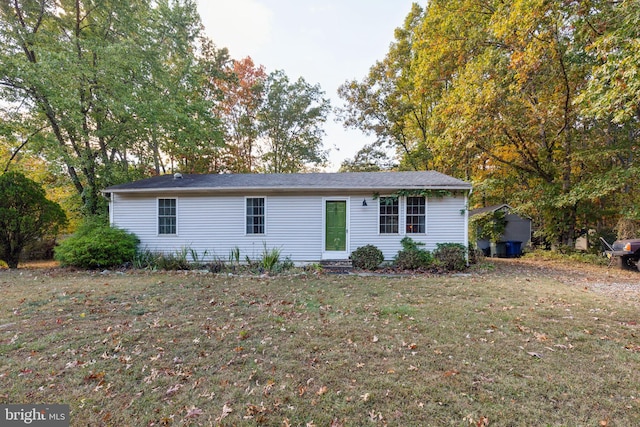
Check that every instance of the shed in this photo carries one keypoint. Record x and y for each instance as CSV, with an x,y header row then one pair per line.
x,y
308,216
515,235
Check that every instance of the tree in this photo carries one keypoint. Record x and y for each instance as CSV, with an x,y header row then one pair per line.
x,y
370,158
26,215
289,121
515,96
614,89
611,103
386,103
241,97
111,87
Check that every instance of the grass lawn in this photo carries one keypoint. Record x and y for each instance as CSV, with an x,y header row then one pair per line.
x,y
501,346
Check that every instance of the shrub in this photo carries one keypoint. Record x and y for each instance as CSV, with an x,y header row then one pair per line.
x,y
411,256
451,256
476,255
97,245
367,257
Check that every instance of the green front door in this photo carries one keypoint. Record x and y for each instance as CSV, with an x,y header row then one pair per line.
x,y
336,226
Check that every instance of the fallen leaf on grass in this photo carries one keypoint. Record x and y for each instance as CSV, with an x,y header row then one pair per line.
x,y
193,412
322,390
534,354
451,373
226,410
253,410
540,337
173,389
95,377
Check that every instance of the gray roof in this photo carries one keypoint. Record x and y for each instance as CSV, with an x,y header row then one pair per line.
x,y
371,181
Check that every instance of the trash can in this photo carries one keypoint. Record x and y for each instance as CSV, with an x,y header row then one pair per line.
x,y
513,249
498,249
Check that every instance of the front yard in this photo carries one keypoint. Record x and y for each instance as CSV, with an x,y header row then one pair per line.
x,y
513,343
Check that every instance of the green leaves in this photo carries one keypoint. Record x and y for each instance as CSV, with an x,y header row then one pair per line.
x,y
113,86
534,101
97,245
25,215
290,120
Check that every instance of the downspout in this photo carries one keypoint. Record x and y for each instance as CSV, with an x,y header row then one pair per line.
x,y
109,198
466,224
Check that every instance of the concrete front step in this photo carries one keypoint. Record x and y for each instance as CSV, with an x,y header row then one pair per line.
x,y
338,266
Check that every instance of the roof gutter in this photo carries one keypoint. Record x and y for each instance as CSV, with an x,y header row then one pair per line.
x,y
273,189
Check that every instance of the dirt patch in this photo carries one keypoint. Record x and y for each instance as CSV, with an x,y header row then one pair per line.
x,y
611,281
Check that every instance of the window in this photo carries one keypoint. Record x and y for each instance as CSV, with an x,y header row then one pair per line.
x,y
415,215
255,215
167,215
389,215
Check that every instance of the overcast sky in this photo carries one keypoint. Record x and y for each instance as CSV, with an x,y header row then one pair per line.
x,y
326,42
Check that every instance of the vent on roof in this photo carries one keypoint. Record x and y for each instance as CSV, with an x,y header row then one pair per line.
x,y
177,176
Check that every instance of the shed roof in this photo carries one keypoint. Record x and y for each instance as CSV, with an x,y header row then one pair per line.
x,y
493,208
376,181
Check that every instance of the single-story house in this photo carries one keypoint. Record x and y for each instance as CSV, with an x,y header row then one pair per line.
x,y
308,216
515,231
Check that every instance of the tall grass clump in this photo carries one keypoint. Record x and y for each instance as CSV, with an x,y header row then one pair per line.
x,y
270,258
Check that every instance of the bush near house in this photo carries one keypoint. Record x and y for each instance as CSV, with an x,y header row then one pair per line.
x,y
451,256
97,245
411,256
367,257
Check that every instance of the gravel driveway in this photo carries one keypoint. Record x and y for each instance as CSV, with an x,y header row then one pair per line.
x,y
611,281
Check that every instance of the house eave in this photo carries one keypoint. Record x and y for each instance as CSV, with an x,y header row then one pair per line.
x,y
283,190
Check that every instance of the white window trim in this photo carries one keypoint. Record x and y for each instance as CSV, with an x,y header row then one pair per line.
x,y
158,217
426,204
244,216
400,222
402,216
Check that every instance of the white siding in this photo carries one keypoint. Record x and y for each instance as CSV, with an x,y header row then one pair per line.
x,y
445,223
294,224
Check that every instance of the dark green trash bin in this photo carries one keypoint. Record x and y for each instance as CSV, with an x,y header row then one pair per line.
x,y
499,249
